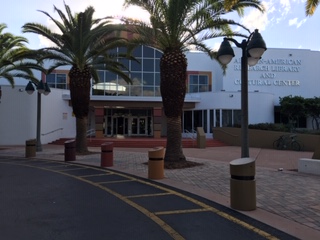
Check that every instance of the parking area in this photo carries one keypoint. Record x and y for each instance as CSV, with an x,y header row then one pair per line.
x,y
47,199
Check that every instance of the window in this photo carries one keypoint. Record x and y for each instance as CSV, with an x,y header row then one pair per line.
x,y
194,119
187,121
136,66
148,52
236,117
57,80
203,83
110,77
148,65
101,76
218,120
197,119
148,79
125,63
157,79
145,75
199,82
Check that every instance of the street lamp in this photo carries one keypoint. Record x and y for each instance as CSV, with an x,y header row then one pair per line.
x,y
252,49
43,88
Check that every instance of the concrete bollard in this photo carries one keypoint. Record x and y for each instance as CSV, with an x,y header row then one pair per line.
x,y
107,154
156,163
201,138
243,184
31,148
70,150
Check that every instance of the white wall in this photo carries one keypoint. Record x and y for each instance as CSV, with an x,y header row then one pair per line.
x,y
273,68
260,105
18,109
198,61
56,114
18,118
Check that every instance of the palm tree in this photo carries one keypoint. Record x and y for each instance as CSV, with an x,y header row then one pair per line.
x,y
311,6
175,26
83,44
15,58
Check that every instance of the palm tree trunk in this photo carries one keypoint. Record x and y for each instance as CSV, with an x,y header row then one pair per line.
x,y
80,99
174,152
173,70
81,135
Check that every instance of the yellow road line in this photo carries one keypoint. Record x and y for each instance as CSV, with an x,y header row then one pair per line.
x,y
153,216
149,195
175,235
96,175
56,166
116,181
67,169
212,209
182,211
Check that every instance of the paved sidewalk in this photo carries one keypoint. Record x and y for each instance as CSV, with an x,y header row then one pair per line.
x,y
287,200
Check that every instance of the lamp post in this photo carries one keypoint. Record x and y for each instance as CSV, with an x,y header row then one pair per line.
x,y
252,49
42,88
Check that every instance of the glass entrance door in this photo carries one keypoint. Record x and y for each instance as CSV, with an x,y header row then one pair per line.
x,y
134,126
143,126
120,125
139,126
127,125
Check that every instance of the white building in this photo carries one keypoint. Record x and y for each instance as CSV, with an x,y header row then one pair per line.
x,y
118,108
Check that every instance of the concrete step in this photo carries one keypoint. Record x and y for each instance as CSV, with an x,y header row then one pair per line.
x,y
142,142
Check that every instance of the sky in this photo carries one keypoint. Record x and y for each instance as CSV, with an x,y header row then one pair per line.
x,y
283,25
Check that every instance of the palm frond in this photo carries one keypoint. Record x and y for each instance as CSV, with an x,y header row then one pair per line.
x,y
180,23
311,6
82,40
16,60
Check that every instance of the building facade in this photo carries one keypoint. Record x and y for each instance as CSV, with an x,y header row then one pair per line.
x,y
118,108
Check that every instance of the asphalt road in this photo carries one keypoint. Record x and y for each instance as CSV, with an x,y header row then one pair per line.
x,y
42,199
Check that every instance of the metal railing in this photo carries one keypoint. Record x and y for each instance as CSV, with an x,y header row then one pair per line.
x,y
43,134
190,134
90,133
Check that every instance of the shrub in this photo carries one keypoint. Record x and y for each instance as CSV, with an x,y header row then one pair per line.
x,y
270,127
